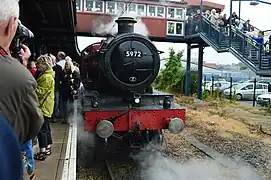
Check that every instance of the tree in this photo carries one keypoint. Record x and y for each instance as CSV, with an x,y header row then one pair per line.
x,y
172,78
243,68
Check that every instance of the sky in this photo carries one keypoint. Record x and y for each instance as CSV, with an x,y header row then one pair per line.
x,y
259,16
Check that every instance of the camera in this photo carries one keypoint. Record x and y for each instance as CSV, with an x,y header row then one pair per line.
x,y
22,34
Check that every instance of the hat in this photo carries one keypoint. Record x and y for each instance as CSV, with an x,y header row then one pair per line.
x,y
11,167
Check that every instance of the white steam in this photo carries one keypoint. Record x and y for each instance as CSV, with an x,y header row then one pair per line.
x,y
102,28
85,140
155,166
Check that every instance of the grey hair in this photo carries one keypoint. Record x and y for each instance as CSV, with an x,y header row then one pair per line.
x,y
9,8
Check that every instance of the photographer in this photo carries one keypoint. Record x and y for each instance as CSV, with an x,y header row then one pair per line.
x,y
18,99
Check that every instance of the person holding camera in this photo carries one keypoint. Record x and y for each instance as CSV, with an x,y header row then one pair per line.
x,y
18,99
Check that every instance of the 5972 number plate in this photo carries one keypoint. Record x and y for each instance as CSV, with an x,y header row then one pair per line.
x,y
133,54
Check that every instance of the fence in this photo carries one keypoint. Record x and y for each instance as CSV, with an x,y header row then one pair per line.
x,y
242,90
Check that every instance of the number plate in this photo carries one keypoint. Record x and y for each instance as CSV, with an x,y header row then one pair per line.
x,y
133,54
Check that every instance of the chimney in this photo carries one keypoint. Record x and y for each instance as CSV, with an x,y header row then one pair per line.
x,y
125,24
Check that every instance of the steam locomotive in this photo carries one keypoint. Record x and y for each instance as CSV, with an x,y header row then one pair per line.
x,y
119,103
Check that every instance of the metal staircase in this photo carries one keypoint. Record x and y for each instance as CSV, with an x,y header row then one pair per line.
x,y
243,47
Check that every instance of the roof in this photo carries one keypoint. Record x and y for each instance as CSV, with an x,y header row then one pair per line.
x,y
205,3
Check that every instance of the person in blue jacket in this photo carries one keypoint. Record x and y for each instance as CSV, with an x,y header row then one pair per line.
x,y
260,38
11,167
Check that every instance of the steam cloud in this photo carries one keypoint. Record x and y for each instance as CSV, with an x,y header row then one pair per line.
x,y
101,28
155,166
85,140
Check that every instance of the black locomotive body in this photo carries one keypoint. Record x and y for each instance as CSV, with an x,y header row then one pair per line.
x,y
119,104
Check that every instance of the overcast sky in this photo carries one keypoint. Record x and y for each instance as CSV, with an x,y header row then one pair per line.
x,y
259,17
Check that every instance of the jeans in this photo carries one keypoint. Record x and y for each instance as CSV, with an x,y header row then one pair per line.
x,y
44,136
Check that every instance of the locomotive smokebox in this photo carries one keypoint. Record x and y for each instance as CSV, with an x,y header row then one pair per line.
x,y
126,24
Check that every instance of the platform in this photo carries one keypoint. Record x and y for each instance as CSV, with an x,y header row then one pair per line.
x,y
52,167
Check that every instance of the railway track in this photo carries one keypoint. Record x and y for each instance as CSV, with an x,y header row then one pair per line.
x,y
120,170
109,169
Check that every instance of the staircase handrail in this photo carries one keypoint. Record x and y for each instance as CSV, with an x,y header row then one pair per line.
x,y
243,21
243,35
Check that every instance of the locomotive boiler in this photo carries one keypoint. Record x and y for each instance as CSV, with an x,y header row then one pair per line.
x,y
119,104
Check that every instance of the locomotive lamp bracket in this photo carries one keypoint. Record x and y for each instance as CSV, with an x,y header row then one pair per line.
x,y
137,99
167,103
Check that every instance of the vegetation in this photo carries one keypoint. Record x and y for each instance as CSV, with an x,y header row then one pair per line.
x,y
172,78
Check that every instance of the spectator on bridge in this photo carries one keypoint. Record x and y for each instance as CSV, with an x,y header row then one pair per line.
x,y
247,26
252,32
213,16
260,38
239,25
207,14
70,84
233,18
45,92
219,21
225,20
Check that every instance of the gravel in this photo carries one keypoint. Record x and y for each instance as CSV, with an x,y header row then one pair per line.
x,y
246,151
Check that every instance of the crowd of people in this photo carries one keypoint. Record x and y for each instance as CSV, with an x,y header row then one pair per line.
x,y
58,80
31,97
223,21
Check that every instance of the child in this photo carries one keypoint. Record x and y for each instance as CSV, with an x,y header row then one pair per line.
x,y
32,68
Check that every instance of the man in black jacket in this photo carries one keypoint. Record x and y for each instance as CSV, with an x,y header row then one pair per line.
x,y
58,73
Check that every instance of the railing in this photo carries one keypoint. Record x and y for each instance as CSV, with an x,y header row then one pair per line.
x,y
216,34
246,47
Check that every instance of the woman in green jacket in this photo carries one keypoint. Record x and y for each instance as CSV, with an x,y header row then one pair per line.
x,y
45,92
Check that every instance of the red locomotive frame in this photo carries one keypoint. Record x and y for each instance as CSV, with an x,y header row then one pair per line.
x,y
149,119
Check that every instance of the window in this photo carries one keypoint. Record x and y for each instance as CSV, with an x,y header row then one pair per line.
x,y
171,12
141,10
175,28
120,7
265,86
160,11
248,87
259,86
156,11
152,11
179,13
94,6
111,7
171,28
79,5
176,13
179,28
132,8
